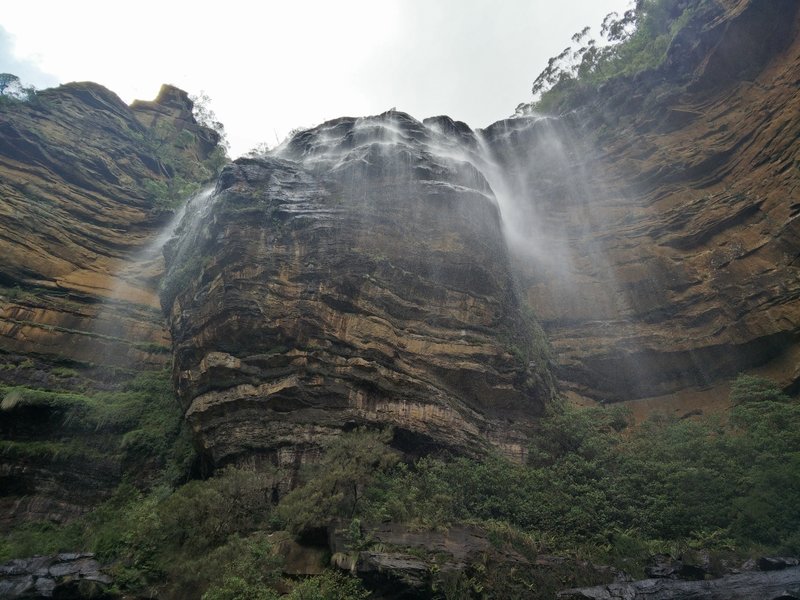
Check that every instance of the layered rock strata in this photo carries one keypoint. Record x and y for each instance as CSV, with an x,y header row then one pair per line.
x,y
671,199
80,268
76,212
359,277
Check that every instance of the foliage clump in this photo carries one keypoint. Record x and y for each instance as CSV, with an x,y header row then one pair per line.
x,y
335,485
631,43
184,174
12,89
593,487
137,422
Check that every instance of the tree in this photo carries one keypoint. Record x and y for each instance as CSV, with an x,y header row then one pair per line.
x,y
8,82
11,87
750,388
201,110
259,150
630,43
334,487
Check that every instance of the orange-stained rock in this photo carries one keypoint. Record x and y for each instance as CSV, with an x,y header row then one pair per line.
x,y
79,276
356,279
677,193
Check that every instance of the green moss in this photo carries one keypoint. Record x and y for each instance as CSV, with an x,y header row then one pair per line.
x,y
64,372
50,451
141,415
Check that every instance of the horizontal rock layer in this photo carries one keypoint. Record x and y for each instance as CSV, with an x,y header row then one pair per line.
x,y
668,205
356,278
774,585
80,271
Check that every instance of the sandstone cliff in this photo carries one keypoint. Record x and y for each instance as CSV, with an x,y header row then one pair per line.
x,y
355,278
384,271
674,197
78,279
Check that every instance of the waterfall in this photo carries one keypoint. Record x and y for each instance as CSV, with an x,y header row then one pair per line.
x,y
124,321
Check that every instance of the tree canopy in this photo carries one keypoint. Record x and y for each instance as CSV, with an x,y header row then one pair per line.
x,y
628,43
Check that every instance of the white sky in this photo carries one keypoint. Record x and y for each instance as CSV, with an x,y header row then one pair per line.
x,y
272,66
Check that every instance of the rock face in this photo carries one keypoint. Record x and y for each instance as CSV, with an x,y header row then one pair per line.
x,y
668,204
61,576
365,273
774,585
358,277
81,262
76,212
380,271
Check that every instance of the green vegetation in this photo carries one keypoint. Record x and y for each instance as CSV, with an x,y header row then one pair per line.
x,y
336,484
636,41
206,538
137,422
594,487
184,173
12,90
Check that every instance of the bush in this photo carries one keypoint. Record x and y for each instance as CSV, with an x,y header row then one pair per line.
x,y
334,487
635,41
329,586
726,482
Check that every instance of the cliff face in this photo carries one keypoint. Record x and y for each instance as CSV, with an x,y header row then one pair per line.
x,y
383,271
674,197
76,210
360,273
358,277
78,279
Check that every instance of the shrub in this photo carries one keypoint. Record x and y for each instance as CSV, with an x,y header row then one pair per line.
x,y
329,586
334,487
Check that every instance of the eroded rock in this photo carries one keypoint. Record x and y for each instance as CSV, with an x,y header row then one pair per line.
x,y
358,278
69,576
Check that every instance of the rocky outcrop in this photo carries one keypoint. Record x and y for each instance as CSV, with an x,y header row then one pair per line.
x,y
399,562
358,277
360,274
412,562
670,199
775,585
61,576
77,211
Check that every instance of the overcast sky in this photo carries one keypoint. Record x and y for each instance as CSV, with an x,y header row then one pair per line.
x,y
269,67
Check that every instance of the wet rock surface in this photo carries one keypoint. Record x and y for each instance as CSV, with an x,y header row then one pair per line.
x,y
66,576
774,585
77,283
668,205
356,278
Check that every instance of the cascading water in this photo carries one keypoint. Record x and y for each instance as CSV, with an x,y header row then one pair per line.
x,y
531,177
534,170
358,274
132,293
187,225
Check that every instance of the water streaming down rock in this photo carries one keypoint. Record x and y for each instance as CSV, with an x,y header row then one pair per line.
x,y
372,270
357,276
131,291
375,270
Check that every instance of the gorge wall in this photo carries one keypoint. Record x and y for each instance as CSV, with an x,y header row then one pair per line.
x,y
355,277
675,193
387,271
